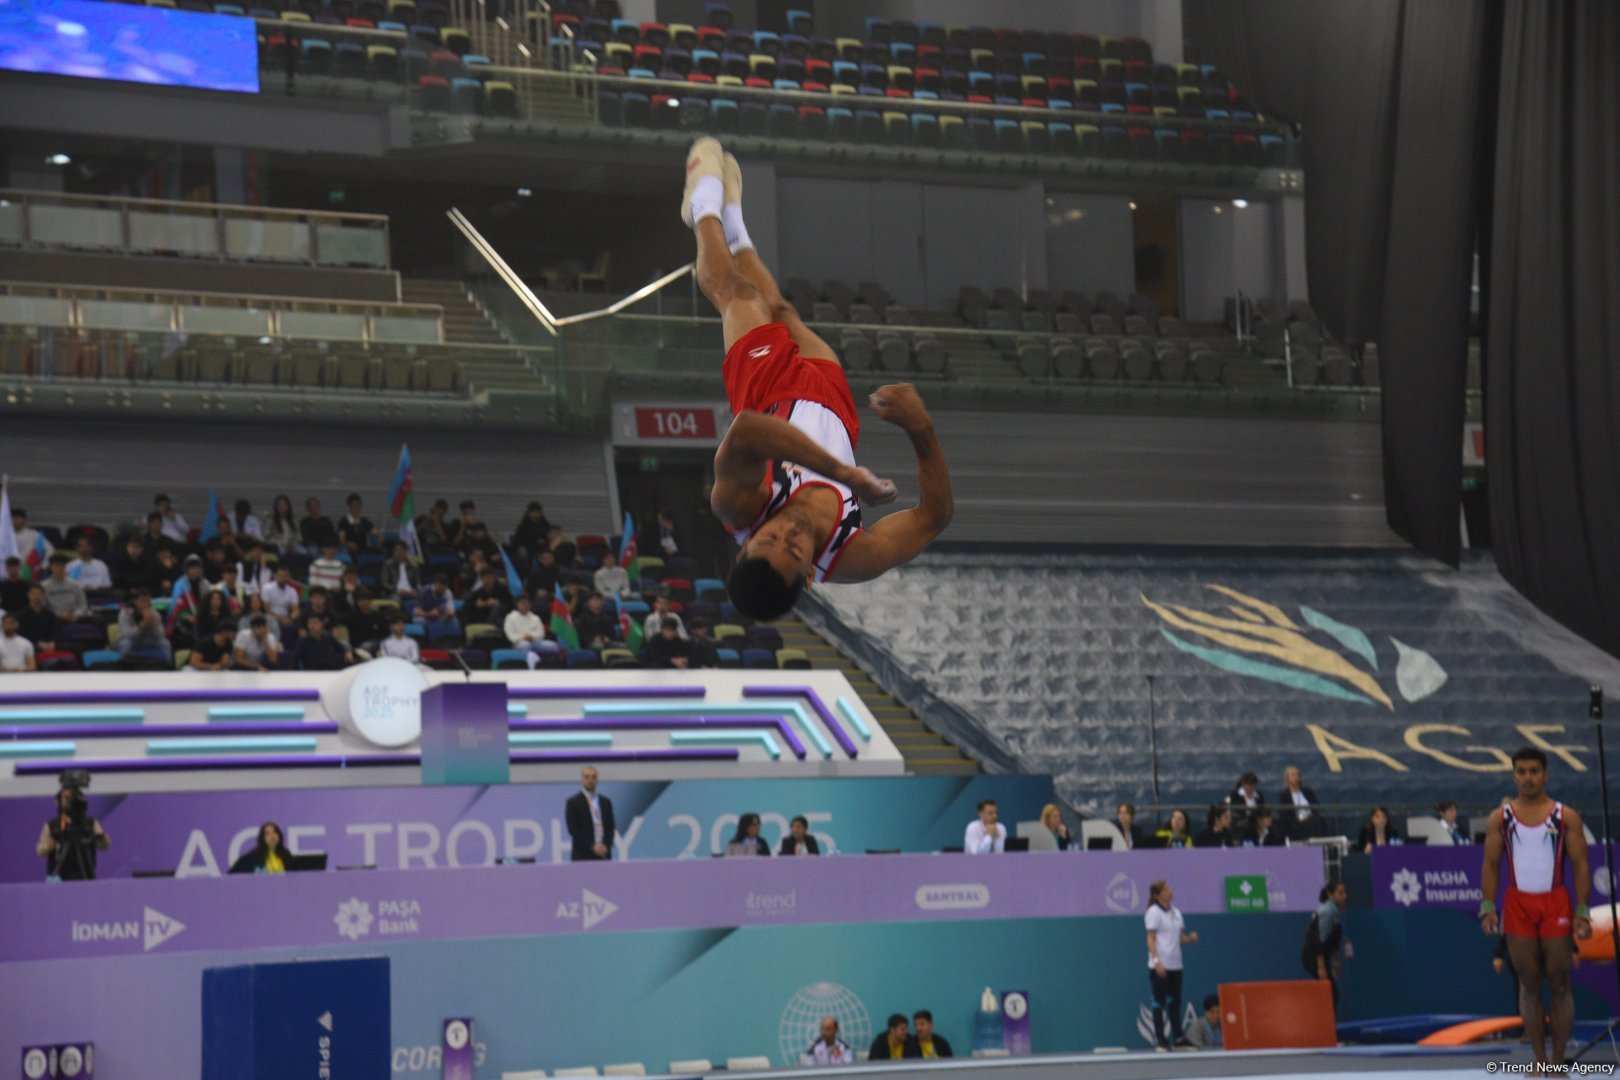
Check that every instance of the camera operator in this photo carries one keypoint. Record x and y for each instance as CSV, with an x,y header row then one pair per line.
x,y
69,840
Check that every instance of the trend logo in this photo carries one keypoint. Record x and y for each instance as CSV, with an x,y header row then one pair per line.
x,y
1259,629
159,928
1406,889
353,918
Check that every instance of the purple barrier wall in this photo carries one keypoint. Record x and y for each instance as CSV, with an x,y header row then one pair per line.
x,y
1416,875
70,921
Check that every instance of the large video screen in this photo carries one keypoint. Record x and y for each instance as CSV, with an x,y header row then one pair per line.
x,y
159,46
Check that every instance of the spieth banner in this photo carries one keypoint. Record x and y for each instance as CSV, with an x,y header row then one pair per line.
x,y
1416,875
71,921
200,833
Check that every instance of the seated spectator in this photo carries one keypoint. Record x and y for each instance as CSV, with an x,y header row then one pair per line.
x,y
13,587
798,841
893,1044
984,835
367,626
255,647
544,577
929,1043
196,581
459,529
1218,833
1377,831
173,525
488,601
281,597
660,537
230,587
254,606
530,534
134,567
140,628
319,651
216,558
660,615
1243,800
701,649
667,650
315,528
1300,823
596,628
1176,834
398,644
1052,819
433,531
327,571
356,530
216,611
169,571
90,572
1125,817
157,540
268,856
255,569
1261,832
473,569
524,629
436,603
1205,1032
747,840
37,622
281,532
318,605
346,597
65,595
829,1049
243,523
16,651
27,538
612,579
1446,810
476,538
214,651
560,546
399,577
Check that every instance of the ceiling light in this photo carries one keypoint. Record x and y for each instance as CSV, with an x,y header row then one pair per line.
x,y
524,193
58,159
1216,209
1241,204
1133,206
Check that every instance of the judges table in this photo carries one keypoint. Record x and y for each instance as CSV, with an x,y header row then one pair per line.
x,y
82,920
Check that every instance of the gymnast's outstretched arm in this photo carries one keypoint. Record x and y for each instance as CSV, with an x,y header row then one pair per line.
x,y
754,440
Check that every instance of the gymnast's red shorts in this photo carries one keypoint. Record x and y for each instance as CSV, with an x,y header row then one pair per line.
x,y
1537,915
764,369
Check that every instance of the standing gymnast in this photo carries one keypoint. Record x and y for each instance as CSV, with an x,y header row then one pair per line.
x,y
786,485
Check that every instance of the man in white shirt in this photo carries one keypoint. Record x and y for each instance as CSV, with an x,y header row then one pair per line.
x,y
90,572
16,651
985,836
174,526
398,644
612,579
524,629
256,648
280,597
829,1049
660,615
328,569
1447,811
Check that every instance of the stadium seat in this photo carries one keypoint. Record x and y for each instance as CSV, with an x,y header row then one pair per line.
x,y
728,658
758,658
577,659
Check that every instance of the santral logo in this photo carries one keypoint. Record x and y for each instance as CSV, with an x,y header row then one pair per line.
x,y
965,897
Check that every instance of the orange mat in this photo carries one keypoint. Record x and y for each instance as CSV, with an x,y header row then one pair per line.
x,y
1273,1015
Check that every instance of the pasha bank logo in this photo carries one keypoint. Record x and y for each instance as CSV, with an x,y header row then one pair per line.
x,y
965,897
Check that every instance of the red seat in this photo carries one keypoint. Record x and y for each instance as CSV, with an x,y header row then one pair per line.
x,y
895,92
649,56
814,88
758,83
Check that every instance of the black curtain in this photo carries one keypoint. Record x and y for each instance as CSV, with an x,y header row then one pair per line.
x,y
1552,336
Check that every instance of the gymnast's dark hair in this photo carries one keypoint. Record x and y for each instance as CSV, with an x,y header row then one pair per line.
x,y
759,592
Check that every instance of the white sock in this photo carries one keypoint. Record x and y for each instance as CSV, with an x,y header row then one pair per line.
x,y
731,220
707,196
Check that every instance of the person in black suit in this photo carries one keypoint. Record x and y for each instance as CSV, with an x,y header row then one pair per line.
x,y
1125,815
1377,831
1218,833
1262,830
895,1043
748,841
590,820
799,841
1301,821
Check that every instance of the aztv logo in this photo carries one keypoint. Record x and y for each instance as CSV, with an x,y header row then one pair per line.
x,y
590,908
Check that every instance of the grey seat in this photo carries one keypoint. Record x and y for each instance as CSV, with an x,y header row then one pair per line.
x,y
1144,306
1105,324
897,315
857,350
997,319
1206,367
1036,322
213,366
930,354
1337,367
1103,361
1137,326
396,373
893,352
862,313
823,312
1068,361
353,369
258,368
1034,359
1170,326
1173,365
1067,322
1137,361
445,375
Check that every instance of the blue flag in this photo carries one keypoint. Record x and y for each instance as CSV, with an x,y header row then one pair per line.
x,y
210,525
513,582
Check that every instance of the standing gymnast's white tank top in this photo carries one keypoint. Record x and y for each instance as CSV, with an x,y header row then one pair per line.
x,y
1535,853
827,431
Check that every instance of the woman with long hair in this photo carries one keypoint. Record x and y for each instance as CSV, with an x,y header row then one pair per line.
x,y
255,606
1052,818
1166,934
283,528
1178,835
1377,831
268,856
216,611
748,841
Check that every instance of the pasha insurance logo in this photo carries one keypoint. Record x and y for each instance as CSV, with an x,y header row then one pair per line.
x,y
1405,887
151,930
353,918
953,897
590,909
